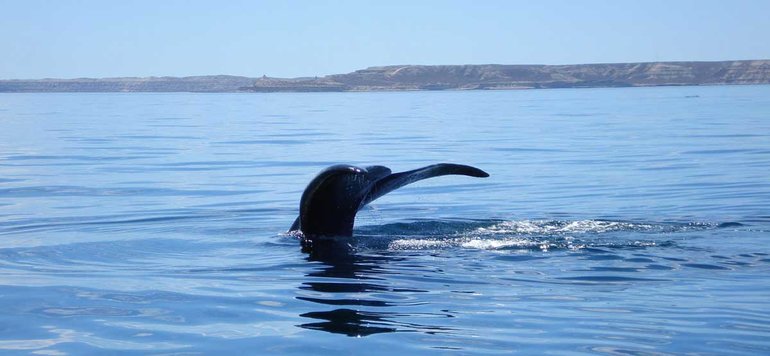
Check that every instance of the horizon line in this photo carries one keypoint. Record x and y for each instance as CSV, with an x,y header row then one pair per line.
x,y
381,66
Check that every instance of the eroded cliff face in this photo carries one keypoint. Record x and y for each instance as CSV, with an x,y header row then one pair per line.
x,y
542,76
747,72
440,77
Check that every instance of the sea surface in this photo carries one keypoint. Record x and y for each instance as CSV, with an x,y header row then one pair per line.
x,y
615,221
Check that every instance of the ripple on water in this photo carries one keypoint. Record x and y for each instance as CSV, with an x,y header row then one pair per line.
x,y
151,223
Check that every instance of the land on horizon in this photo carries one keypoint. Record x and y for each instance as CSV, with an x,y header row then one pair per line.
x,y
431,77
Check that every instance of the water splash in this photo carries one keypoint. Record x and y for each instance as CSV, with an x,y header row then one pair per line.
x,y
523,234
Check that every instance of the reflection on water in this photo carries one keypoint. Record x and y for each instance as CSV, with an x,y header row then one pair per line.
x,y
349,322
348,281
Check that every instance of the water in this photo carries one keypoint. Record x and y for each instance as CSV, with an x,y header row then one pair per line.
x,y
617,221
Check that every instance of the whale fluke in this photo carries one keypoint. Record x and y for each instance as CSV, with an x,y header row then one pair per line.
x,y
331,200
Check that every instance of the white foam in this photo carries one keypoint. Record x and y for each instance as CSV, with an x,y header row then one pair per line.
x,y
487,244
552,227
527,234
419,244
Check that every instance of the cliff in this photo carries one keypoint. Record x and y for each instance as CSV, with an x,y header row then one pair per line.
x,y
420,77
556,76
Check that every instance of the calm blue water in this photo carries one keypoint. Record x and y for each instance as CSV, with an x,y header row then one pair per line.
x,y
617,221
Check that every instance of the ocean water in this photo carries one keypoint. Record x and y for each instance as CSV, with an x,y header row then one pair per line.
x,y
615,221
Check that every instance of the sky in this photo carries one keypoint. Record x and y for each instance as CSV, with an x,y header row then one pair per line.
x,y
295,38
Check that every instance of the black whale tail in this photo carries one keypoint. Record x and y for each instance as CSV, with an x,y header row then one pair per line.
x,y
398,180
331,200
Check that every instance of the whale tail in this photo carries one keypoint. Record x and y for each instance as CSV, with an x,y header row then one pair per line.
x,y
394,181
331,200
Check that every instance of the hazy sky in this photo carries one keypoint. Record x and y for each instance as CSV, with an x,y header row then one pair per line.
x,y
67,39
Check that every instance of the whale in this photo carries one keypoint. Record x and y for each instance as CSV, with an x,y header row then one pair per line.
x,y
329,203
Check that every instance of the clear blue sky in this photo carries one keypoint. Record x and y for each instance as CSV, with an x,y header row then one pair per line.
x,y
284,38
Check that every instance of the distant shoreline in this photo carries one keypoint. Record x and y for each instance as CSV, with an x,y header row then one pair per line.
x,y
430,77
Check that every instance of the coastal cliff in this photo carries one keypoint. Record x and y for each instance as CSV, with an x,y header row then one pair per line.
x,y
558,76
438,77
